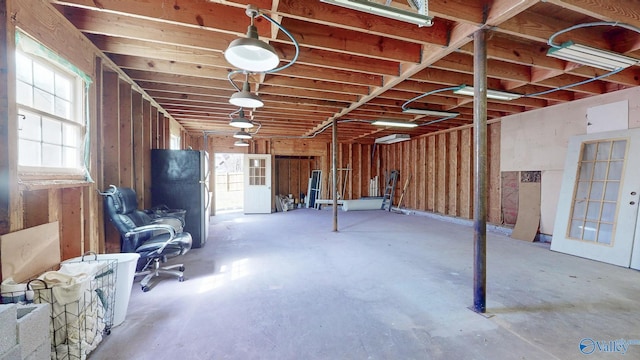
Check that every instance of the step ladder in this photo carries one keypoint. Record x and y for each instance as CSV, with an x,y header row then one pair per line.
x,y
390,189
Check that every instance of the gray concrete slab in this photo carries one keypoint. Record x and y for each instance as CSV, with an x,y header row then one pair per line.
x,y
386,286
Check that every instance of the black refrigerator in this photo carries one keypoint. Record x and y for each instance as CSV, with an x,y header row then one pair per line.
x,y
179,180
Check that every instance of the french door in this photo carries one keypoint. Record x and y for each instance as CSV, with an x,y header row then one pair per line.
x,y
597,212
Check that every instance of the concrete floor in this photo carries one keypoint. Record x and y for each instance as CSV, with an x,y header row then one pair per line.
x,y
387,286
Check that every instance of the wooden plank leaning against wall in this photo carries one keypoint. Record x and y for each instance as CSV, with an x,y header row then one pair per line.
x,y
75,204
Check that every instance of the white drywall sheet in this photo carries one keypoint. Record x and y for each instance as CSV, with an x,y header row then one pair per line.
x,y
609,117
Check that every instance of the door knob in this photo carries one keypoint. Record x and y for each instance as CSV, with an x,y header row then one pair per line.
x,y
632,203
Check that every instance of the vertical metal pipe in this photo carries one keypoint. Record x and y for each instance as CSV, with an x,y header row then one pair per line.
x,y
334,166
480,186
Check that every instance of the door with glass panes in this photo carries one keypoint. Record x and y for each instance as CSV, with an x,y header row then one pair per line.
x,y
257,184
598,204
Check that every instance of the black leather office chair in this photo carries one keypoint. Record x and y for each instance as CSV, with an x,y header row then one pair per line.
x,y
155,239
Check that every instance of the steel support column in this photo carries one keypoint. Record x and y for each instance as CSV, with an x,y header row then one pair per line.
x,y
334,166
480,185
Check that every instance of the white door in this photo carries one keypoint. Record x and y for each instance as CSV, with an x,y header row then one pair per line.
x,y
598,205
257,184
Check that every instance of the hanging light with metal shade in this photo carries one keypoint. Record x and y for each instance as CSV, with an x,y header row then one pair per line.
x,y
250,53
242,134
241,143
241,121
245,98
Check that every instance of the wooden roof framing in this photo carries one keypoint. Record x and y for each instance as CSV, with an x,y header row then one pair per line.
x,y
352,65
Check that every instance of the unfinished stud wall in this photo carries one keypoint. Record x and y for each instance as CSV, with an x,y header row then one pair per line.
x,y
440,168
124,126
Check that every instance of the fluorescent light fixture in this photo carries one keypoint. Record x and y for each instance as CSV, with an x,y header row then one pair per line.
x,y
393,138
394,123
250,53
241,143
242,134
241,121
586,55
429,112
382,10
246,98
491,94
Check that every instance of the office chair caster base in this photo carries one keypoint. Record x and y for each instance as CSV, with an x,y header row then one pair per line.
x,y
145,288
181,268
181,279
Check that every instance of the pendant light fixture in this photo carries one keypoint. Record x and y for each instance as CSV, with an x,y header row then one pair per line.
x,y
242,134
253,55
245,98
241,121
241,143
250,53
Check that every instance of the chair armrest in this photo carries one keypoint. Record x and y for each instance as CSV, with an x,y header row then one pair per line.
x,y
153,227
176,222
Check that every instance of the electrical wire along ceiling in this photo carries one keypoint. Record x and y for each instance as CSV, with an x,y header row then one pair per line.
x,y
287,69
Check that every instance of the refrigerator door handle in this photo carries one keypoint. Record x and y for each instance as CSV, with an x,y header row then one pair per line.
x,y
206,189
206,159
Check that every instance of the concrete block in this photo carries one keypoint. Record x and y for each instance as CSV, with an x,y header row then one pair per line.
x,y
8,330
13,354
43,352
33,326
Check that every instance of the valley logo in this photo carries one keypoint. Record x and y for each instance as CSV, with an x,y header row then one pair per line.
x,y
588,346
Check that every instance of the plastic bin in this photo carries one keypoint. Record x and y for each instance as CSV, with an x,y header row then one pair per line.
x,y
126,270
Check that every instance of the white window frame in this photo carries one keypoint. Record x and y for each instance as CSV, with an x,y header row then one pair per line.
x,y
76,119
174,142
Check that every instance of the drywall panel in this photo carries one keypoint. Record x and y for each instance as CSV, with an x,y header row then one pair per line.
x,y
538,139
549,193
609,117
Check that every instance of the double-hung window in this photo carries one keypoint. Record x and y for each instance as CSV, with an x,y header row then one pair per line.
x,y
51,123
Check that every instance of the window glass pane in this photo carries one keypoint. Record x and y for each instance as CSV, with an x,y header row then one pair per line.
x,y
24,93
43,78
597,187
70,157
583,190
63,87
29,153
51,131
615,170
575,231
590,229
608,212
604,149
589,152
43,140
600,171
579,209
70,135
23,68
43,101
51,155
586,169
62,108
593,211
611,193
30,126
619,149
604,233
